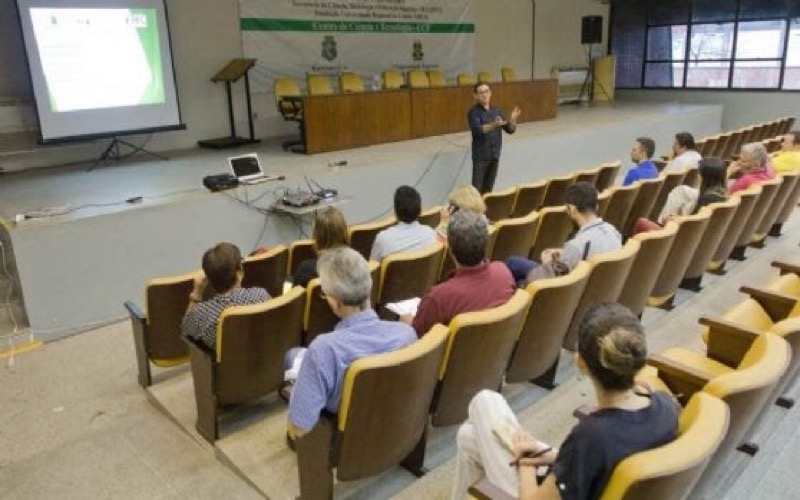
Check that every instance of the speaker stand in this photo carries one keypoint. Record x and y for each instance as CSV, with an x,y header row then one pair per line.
x,y
588,82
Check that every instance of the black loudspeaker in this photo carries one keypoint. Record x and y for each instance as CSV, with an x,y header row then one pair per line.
x,y
591,29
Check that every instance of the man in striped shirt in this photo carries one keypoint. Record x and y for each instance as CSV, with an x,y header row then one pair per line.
x,y
346,284
222,269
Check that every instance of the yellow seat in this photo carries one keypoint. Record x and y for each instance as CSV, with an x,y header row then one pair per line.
x,y
478,349
437,78
747,200
465,79
553,230
362,236
587,175
386,391
671,471
157,335
500,203
557,190
266,270
653,251
430,216
409,274
508,74
608,175
721,217
418,79
289,100
620,200
319,85
485,77
514,236
648,192
529,198
351,83
392,79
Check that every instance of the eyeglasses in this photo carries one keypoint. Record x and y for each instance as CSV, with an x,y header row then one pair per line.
x,y
487,91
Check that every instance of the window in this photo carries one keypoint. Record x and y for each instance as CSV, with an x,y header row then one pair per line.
x,y
722,44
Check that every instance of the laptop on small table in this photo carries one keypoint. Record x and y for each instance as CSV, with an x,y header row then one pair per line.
x,y
247,169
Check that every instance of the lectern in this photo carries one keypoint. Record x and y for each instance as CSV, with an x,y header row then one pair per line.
x,y
231,73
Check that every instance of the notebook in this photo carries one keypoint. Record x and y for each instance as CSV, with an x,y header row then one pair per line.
x,y
247,169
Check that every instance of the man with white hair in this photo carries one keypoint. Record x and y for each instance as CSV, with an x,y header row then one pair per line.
x,y
752,167
346,284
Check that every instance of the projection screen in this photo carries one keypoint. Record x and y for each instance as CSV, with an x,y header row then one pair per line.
x,y
100,68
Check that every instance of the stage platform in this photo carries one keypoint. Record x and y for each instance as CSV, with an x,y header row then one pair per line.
x,y
77,268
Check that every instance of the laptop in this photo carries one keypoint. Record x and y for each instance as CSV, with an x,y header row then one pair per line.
x,y
247,169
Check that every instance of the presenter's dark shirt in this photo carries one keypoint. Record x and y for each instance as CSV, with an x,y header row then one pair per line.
x,y
486,146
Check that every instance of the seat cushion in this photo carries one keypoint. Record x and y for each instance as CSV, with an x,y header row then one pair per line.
x,y
697,361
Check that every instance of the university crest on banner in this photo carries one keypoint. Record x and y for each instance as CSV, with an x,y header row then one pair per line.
x,y
329,48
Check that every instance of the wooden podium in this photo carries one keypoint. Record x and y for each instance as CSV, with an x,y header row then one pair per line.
x,y
231,73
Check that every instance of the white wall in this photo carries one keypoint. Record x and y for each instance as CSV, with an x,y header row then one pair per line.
x,y
740,108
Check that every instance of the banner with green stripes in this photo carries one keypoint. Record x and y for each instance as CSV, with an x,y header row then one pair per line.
x,y
294,38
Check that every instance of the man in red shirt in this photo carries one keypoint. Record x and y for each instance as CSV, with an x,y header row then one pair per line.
x,y
475,285
752,167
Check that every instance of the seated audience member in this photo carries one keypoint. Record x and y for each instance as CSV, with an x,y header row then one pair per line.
x,y
642,155
787,160
408,234
464,197
476,284
346,283
330,231
628,420
222,269
686,200
752,167
684,151
594,236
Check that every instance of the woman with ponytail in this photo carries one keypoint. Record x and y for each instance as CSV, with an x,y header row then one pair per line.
x,y
611,351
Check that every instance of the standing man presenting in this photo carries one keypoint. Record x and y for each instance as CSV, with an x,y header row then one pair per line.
x,y
486,122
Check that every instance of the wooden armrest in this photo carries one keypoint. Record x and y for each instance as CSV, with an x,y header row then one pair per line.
x,y
786,267
135,311
683,380
584,411
486,490
728,342
777,305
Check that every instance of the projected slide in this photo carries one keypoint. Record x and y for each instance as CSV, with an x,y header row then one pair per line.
x,y
99,58
100,68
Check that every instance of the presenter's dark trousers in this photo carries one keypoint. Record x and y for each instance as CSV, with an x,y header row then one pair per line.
x,y
484,172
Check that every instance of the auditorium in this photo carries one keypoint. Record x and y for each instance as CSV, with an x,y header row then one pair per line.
x,y
399,249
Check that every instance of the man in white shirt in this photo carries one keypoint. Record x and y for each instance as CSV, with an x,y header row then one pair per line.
x,y
684,153
408,234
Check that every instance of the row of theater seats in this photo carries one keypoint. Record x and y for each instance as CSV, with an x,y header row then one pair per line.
x,y
752,356
728,144
648,270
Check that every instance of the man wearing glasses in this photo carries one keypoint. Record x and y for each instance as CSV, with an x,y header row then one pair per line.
x,y
486,122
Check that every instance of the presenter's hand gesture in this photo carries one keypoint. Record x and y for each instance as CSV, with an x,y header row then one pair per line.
x,y
499,122
515,114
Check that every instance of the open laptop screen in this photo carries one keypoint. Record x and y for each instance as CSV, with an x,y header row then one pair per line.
x,y
246,166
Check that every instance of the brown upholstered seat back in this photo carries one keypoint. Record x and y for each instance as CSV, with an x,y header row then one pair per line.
x,y
362,236
690,231
557,190
645,200
529,198
477,354
514,236
299,251
671,181
267,270
553,303
768,191
721,217
620,205
747,200
589,175
692,178
251,343
431,217
410,274
385,404
606,279
167,300
499,204
653,251
773,210
791,201
554,228
608,175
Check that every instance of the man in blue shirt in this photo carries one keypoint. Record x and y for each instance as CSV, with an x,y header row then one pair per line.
x,y
641,154
487,122
346,284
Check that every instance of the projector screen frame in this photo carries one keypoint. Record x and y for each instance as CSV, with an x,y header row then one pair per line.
x,y
110,134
